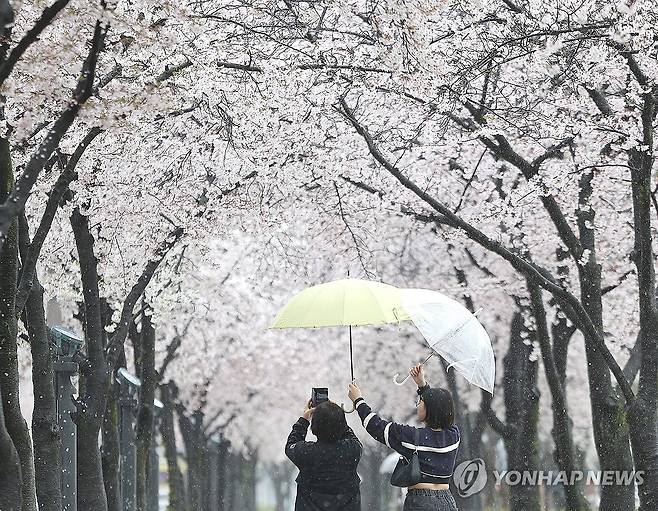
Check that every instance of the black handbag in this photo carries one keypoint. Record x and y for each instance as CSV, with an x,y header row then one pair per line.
x,y
407,473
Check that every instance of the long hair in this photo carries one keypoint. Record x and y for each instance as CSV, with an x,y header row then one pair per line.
x,y
439,408
328,423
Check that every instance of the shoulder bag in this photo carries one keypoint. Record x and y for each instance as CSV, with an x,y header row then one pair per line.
x,y
407,473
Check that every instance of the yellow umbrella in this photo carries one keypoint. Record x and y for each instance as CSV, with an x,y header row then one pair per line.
x,y
346,302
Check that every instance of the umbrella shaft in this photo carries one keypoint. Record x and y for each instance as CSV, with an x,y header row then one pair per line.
x,y
425,361
351,357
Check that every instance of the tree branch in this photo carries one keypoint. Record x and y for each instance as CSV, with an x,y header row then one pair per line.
x,y
600,101
634,362
102,82
172,347
68,175
496,424
352,234
362,185
6,26
554,151
241,67
307,66
634,66
424,217
532,271
172,70
30,37
23,186
116,341
502,149
513,7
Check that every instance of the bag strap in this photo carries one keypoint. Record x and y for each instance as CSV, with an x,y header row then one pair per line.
x,y
416,439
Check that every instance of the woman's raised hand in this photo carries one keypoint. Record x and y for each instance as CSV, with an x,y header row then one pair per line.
x,y
308,411
417,372
353,392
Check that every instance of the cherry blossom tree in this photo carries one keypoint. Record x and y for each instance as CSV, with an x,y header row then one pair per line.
x,y
503,102
210,159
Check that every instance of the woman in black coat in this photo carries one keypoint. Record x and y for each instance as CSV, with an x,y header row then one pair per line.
x,y
327,468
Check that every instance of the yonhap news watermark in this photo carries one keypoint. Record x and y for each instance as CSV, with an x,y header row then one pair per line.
x,y
470,477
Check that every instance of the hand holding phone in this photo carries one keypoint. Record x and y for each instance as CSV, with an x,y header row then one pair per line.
x,y
319,395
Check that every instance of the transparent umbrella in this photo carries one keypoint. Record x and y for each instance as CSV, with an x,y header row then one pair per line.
x,y
452,332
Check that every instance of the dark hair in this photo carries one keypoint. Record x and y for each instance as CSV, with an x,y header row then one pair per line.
x,y
328,423
439,408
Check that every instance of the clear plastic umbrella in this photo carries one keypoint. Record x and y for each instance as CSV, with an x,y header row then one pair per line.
x,y
452,332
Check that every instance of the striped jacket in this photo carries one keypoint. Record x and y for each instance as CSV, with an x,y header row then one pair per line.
x,y
437,450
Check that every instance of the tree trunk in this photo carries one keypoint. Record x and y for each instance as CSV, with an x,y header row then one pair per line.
x,y
95,383
102,357
249,477
565,456
611,434
10,469
234,501
222,471
194,440
471,438
374,487
45,431
476,424
145,411
177,499
243,482
185,427
111,450
9,377
644,411
281,477
521,411
204,470
91,487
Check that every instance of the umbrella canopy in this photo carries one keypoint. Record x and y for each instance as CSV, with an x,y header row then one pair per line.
x,y
448,327
347,302
453,332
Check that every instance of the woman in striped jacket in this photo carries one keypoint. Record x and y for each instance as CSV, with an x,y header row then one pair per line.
x,y
438,442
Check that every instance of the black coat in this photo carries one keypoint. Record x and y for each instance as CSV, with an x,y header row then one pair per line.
x,y
327,478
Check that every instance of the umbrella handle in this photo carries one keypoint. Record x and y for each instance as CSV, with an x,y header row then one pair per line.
x,y
342,405
399,383
397,375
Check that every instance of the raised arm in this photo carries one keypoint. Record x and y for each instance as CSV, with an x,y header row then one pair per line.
x,y
297,448
389,433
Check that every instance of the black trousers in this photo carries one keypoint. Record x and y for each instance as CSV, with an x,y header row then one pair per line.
x,y
315,501
429,500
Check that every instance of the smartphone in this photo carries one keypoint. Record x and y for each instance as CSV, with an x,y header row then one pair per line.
x,y
319,395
